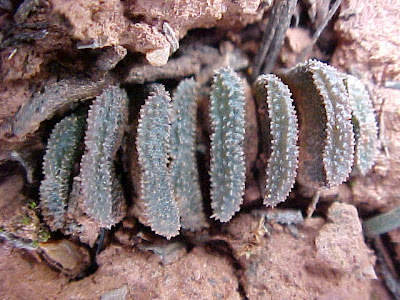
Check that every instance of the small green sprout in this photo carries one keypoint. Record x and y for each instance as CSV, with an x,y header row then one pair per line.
x,y
25,220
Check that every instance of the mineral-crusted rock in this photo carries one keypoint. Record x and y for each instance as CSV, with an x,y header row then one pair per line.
x,y
369,30
340,243
284,266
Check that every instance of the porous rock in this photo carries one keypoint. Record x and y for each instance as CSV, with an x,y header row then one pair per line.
x,y
199,275
113,22
368,48
340,243
284,266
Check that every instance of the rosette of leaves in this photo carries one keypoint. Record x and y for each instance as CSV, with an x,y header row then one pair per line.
x,y
326,138
227,115
153,147
102,196
63,150
278,137
184,172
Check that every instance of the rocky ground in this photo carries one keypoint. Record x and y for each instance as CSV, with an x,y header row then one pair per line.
x,y
250,257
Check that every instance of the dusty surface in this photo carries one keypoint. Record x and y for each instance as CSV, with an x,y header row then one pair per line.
x,y
199,275
138,24
40,282
12,95
323,261
378,48
368,48
326,258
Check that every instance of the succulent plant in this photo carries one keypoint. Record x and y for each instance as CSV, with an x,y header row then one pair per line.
x,y
326,138
228,168
322,145
279,137
365,128
382,223
55,98
153,146
184,172
63,150
103,198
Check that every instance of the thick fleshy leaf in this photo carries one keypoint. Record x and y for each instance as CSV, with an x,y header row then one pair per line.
x,y
228,170
185,177
153,146
102,194
63,151
365,127
279,134
326,138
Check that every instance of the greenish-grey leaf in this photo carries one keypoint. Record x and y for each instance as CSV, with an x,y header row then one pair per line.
x,y
382,223
102,194
326,138
364,122
153,146
63,150
339,146
55,98
185,177
227,114
280,133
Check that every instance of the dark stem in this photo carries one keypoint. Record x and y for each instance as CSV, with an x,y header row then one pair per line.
x,y
101,240
319,30
274,35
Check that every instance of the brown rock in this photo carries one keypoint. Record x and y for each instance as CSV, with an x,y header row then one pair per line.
x,y
296,41
199,275
66,256
12,96
23,277
183,16
340,244
282,266
136,275
369,40
105,23
368,48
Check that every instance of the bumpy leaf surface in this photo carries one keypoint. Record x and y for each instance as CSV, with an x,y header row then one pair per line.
x,y
227,172
63,150
185,177
153,146
102,194
326,138
61,95
365,127
280,132
339,145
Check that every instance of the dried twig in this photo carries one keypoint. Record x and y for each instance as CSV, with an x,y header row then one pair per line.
x,y
274,35
386,268
319,30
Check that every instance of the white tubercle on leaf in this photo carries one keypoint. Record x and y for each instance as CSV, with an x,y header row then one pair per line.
x,y
339,146
184,172
228,170
365,127
153,146
102,193
282,128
